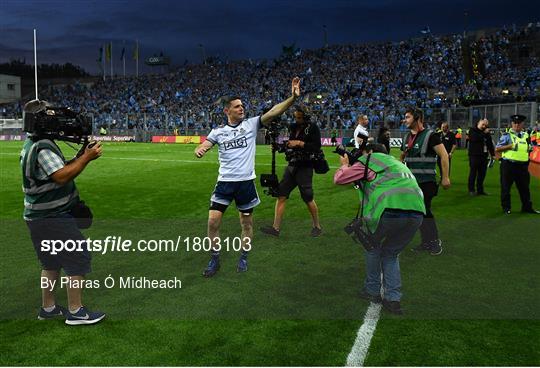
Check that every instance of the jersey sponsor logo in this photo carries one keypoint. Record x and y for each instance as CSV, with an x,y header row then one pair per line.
x,y
235,144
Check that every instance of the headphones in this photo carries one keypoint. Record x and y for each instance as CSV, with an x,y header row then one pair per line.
x,y
416,113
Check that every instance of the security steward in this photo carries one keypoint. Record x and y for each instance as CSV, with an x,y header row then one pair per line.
x,y
420,149
448,140
480,149
304,141
515,146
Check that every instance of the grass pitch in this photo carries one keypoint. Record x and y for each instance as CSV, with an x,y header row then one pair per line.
x,y
476,304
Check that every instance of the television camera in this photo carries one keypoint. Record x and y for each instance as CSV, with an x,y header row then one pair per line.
x,y
44,121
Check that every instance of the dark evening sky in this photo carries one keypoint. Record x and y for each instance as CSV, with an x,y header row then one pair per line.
x,y
72,31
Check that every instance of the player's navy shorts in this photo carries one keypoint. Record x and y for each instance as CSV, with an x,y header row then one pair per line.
x,y
243,193
63,227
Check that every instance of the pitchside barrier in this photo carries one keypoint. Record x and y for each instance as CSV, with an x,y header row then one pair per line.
x,y
102,138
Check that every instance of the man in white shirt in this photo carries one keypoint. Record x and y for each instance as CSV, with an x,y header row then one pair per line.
x,y
236,142
361,133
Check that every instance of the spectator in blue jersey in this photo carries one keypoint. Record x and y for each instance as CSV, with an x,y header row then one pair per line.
x,y
236,154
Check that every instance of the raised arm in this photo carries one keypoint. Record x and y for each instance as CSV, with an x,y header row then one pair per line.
x,y
280,108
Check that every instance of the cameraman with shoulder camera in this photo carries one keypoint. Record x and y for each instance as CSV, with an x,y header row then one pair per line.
x,y
392,209
50,197
304,142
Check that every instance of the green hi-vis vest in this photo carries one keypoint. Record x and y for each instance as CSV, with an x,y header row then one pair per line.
x,y
522,152
423,167
394,187
43,198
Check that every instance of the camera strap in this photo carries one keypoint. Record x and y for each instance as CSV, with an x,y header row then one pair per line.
x,y
364,180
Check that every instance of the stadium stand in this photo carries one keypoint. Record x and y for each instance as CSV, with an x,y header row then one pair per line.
x,y
340,81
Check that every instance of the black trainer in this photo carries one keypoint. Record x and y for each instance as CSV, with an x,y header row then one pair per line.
x,y
530,210
269,230
435,247
316,232
393,307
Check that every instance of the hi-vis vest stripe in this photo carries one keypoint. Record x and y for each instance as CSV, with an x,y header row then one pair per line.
x,y
522,152
51,204
423,167
43,198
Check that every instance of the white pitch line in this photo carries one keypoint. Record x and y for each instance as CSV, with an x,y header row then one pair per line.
x,y
361,345
161,159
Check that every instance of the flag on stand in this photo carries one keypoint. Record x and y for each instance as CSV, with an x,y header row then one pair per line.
x,y
108,51
136,52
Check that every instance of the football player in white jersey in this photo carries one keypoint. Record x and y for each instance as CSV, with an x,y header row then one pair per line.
x,y
361,134
236,143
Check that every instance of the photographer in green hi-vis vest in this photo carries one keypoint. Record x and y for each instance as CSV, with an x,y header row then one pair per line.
x,y
391,211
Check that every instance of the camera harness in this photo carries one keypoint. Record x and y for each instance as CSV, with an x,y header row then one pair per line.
x,y
359,185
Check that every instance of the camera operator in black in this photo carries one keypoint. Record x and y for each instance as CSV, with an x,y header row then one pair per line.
x,y
304,140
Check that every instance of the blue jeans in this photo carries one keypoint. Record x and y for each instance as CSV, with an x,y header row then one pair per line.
x,y
395,230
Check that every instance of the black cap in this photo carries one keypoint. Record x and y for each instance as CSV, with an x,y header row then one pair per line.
x,y
518,118
376,147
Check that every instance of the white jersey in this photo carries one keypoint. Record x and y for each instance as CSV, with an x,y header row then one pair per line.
x,y
236,149
359,130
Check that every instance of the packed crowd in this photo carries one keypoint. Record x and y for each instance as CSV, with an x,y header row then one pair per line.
x,y
340,82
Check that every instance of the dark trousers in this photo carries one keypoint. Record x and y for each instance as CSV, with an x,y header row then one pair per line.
x,y
477,172
519,173
428,229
